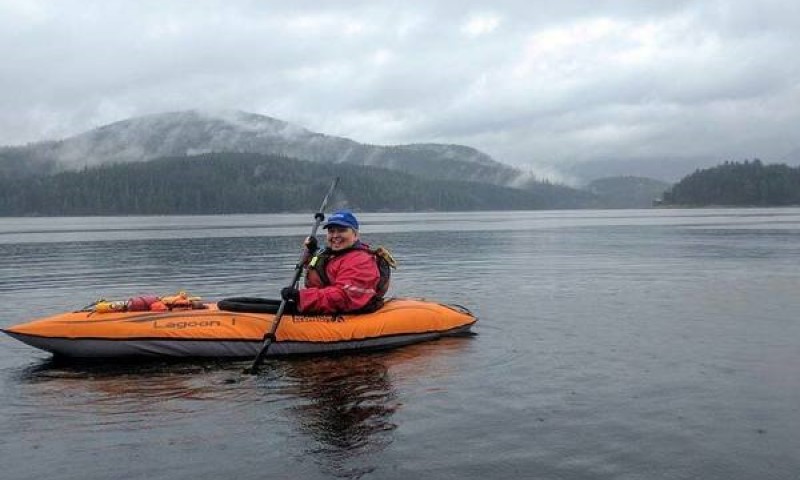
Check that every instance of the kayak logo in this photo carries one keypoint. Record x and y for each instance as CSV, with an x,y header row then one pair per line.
x,y
317,318
181,325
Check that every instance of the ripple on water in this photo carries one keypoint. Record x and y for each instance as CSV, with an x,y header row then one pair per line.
x,y
611,345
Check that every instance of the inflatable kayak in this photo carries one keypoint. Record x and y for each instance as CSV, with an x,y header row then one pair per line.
x,y
207,330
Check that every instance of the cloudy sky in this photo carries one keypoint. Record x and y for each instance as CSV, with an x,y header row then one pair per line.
x,y
538,84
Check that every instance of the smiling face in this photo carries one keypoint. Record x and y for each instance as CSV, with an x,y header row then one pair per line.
x,y
340,238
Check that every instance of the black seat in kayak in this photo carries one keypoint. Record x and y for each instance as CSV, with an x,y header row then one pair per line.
x,y
253,305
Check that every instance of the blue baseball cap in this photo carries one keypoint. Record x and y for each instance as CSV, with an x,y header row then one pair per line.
x,y
342,218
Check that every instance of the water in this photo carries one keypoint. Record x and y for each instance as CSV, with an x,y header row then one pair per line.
x,y
611,345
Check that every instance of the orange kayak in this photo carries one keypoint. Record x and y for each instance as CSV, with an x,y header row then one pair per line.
x,y
211,332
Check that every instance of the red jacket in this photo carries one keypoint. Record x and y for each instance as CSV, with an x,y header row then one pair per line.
x,y
353,279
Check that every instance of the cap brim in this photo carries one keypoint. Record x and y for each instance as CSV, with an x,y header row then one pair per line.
x,y
337,224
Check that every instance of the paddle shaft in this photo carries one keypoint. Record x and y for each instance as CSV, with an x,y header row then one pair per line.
x,y
298,271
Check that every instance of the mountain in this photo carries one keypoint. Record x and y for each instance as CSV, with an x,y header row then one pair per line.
x,y
665,169
627,192
218,183
193,132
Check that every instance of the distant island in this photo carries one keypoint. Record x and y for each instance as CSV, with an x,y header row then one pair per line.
x,y
739,184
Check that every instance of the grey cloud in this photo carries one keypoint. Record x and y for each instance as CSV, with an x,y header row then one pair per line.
x,y
538,84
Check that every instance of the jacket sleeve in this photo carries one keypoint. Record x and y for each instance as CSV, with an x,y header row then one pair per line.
x,y
353,281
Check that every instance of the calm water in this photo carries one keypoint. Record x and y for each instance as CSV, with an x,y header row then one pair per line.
x,y
612,344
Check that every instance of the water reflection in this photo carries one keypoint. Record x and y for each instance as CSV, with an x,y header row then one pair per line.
x,y
345,405
127,390
336,411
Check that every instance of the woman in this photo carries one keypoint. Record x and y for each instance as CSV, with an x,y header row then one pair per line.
x,y
347,276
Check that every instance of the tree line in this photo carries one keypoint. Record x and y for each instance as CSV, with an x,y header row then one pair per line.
x,y
220,183
748,183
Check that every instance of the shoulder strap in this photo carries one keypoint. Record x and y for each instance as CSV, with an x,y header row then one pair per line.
x,y
384,254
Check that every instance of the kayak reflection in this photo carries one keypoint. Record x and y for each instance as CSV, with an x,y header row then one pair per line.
x,y
345,405
335,412
348,401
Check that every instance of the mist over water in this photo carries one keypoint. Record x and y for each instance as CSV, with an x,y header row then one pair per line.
x,y
611,344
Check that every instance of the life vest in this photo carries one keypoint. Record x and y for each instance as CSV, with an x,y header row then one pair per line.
x,y
383,259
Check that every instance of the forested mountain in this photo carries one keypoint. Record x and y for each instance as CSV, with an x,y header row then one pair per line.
x,y
749,183
255,183
192,132
213,138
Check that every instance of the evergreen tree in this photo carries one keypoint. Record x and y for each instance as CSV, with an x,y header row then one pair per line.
x,y
247,183
748,183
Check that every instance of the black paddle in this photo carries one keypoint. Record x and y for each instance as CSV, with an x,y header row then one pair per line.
x,y
298,270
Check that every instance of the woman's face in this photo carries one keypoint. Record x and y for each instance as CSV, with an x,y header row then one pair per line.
x,y
340,238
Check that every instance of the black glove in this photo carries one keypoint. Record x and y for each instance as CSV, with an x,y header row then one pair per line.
x,y
290,294
311,245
